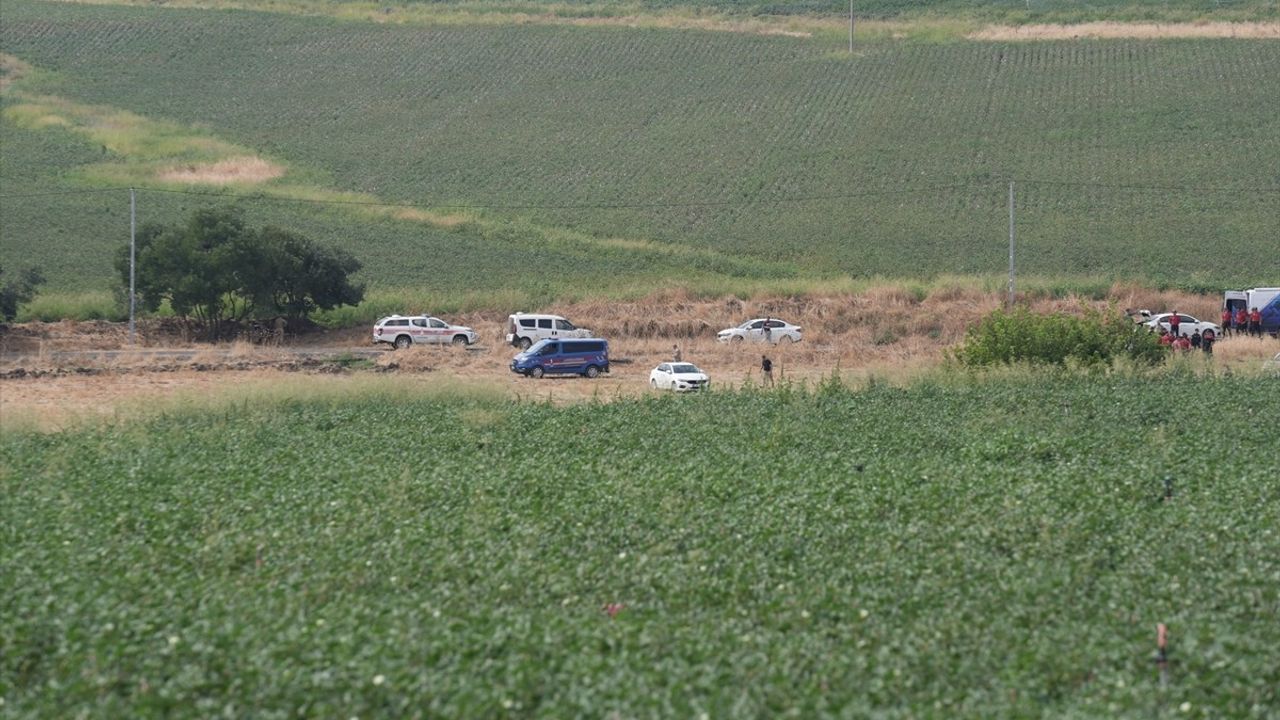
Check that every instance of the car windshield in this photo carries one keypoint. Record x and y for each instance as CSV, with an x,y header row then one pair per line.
x,y
684,368
536,347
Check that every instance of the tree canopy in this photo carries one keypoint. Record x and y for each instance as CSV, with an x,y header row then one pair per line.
x,y
18,290
215,268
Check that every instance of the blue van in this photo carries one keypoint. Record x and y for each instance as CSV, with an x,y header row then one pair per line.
x,y
586,356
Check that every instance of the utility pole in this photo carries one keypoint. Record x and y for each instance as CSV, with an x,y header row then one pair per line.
x,y
133,239
850,27
1011,239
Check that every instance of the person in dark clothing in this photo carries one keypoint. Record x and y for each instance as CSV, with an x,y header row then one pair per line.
x,y
766,370
1196,339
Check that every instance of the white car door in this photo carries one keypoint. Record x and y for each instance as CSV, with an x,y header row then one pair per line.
x,y
756,331
439,330
662,376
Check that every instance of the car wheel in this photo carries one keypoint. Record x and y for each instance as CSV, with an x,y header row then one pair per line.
x,y
460,341
592,371
737,339
536,372
673,386
653,383
524,343
403,342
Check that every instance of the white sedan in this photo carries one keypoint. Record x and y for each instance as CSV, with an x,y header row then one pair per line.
x,y
1187,325
678,377
771,330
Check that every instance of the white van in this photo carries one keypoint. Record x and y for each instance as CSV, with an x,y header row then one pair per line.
x,y
525,329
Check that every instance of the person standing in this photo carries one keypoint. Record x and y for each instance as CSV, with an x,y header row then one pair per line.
x,y
1226,321
1174,321
675,353
1242,321
1255,322
768,330
1196,339
766,370
1206,342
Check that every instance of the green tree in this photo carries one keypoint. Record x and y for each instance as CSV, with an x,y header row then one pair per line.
x,y
216,270
18,291
297,276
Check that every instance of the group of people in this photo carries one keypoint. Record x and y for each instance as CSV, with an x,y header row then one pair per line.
x,y
1196,341
1242,322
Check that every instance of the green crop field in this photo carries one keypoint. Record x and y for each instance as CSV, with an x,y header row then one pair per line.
x,y
958,548
598,158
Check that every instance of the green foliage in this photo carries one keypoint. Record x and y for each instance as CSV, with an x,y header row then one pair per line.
x,y
18,290
215,268
955,549
686,140
1094,338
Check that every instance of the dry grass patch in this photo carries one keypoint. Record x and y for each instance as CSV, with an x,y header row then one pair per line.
x,y
1130,30
240,170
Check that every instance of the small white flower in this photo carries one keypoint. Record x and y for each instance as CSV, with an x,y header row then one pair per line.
x,y
379,679
435,613
804,614
508,704
1185,707
863,614
173,640
622,555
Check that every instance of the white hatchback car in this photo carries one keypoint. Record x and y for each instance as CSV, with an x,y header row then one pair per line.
x,y
401,331
771,330
678,377
1187,325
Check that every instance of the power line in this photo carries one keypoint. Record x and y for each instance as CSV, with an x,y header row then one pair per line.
x,y
65,192
573,206
1176,188
656,204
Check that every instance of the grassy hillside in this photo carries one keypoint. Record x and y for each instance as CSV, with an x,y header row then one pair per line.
x,y
769,553
608,157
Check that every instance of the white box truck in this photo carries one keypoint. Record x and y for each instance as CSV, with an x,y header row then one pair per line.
x,y
1265,299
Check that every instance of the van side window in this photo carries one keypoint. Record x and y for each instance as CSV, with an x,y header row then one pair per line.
x,y
527,322
550,349
419,322
544,323
397,323
757,325
564,325
437,323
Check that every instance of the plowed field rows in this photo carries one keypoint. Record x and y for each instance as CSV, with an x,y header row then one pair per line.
x,y
772,156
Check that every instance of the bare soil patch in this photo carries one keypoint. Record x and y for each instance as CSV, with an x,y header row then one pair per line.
x,y
890,332
1117,30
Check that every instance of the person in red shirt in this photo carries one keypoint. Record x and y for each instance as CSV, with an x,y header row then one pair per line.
x,y
1242,321
1165,337
1226,321
1255,322
1182,343
1174,321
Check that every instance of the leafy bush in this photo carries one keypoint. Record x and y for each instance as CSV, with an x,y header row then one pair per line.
x,y
18,291
1094,338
